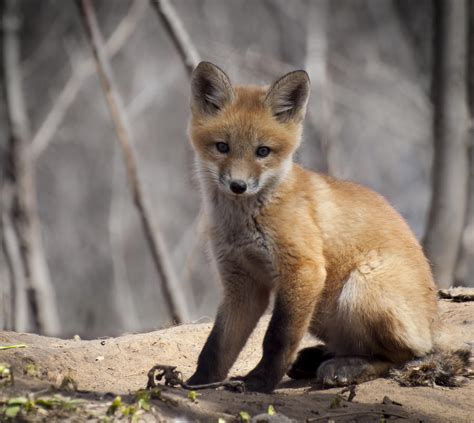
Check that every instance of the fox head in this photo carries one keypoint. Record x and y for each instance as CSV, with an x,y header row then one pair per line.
x,y
245,136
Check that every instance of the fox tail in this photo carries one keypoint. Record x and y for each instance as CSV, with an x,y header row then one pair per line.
x,y
450,364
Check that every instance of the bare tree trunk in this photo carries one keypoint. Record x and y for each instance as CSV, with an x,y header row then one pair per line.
x,y
16,301
173,298
465,266
13,302
41,295
6,285
451,123
6,312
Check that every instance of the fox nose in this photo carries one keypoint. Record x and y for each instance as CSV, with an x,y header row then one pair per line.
x,y
238,186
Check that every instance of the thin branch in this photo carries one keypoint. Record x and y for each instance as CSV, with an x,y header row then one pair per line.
x,y
7,277
125,28
173,377
457,294
177,32
146,96
25,215
122,127
363,414
123,293
18,288
55,117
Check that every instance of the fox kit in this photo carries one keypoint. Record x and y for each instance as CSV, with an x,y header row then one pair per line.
x,y
339,260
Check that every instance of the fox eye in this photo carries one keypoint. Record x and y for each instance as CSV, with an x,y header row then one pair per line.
x,y
263,151
222,147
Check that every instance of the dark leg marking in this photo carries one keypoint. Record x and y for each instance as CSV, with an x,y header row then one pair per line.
x,y
307,362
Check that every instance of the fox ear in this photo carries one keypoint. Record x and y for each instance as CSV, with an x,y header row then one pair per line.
x,y
288,97
211,89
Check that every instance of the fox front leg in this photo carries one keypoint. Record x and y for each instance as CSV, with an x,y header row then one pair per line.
x,y
239,312
295,301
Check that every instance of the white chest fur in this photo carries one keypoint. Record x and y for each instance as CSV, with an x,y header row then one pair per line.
x,y
239,243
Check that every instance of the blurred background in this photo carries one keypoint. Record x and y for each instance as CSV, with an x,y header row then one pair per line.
x,y
390,108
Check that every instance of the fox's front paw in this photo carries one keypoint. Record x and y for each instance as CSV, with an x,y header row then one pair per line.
x,y
257,383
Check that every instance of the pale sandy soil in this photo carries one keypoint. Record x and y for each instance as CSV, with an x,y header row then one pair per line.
x,y
107,367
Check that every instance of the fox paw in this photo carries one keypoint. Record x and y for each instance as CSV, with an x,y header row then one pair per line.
x,y
255,383
343,371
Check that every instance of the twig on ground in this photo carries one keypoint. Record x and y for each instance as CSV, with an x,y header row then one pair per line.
x,y
457,294
357,413
352,392
11,347
388,401
174,378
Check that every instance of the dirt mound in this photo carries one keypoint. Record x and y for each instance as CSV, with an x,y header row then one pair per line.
x,y
104,368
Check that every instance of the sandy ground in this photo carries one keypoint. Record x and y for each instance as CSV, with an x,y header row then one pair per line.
x,y
108,367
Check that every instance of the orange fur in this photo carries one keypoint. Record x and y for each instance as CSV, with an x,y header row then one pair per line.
x,y
341,261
